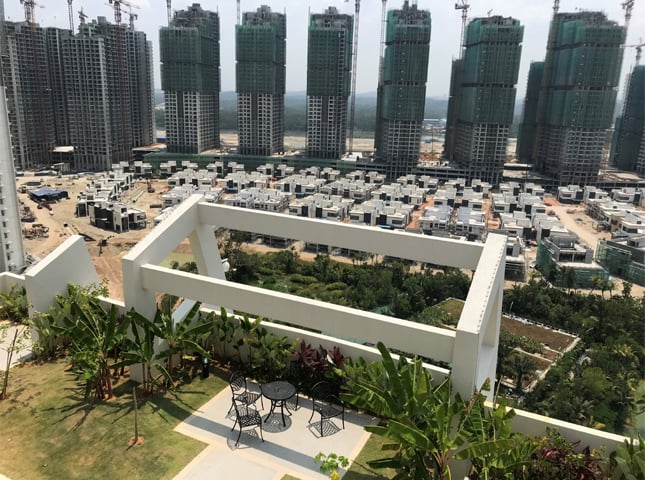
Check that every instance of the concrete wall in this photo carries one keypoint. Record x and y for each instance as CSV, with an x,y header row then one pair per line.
x,y
69,263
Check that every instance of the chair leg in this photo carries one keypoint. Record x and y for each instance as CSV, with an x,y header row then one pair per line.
x,y
233,428
238,436
261,435
321,427
342,416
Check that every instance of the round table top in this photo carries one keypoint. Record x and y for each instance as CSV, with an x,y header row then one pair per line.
x,y
279,390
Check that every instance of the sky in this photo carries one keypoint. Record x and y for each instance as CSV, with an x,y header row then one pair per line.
x,y
444,45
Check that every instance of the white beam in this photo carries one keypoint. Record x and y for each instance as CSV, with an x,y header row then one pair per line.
x,y
335,320
422,248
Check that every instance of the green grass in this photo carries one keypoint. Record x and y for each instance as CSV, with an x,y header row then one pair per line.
x,y
371,451
48,431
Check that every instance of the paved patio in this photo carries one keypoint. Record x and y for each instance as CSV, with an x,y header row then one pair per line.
x,y
285,450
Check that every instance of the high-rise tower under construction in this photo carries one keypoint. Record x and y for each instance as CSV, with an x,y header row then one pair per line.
x,y
191,81
629,136
260,80
578,95
402,96
329,64
484,98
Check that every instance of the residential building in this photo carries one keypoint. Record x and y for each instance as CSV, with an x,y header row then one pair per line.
x,y
260,80
628,135
578,95
128,72
29,99
190,78
483,113
401,102
92,92
329,65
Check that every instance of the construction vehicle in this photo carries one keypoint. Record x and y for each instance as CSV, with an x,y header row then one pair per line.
x,y
151,189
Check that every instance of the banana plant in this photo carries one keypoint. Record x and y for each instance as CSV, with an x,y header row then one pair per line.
x,y
140,349
180,336
427,426
94,333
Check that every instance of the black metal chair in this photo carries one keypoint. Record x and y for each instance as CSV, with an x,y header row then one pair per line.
x,y
297,376
246,416
241,393
326,404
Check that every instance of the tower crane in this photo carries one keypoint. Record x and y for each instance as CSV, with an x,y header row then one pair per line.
x,y
382,46
169,10
639,50
628,6
116,4
238,13
464,7
131,18
82,16
30,6
352,104
70,13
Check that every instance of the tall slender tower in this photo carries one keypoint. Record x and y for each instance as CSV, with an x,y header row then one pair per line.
x,y
578,95
260,80
329,65
528,126
629,132
402,102
12,254
190,79
488,76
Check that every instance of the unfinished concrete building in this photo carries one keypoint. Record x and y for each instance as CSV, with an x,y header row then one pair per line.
x,y
91,92
260,81
329,64
483,112
29,97
401,97
190,80
578,95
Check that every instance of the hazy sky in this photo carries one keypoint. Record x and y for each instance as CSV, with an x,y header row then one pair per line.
x,y
446,24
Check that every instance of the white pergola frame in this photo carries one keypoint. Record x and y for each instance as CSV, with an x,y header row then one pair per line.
x,y
471,349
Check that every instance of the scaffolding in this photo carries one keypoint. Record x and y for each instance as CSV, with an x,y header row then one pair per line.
x,y
578,95
260,81
486,96
402,98
329,64
528,127
620,262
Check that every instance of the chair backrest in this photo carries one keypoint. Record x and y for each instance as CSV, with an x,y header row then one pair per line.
x,y
237,382
322,390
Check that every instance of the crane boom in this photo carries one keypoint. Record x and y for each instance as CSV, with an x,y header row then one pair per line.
x,y
628,6
352,103
70,13
464,7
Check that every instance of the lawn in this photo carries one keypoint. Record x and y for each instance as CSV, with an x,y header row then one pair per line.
x,y
48,431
